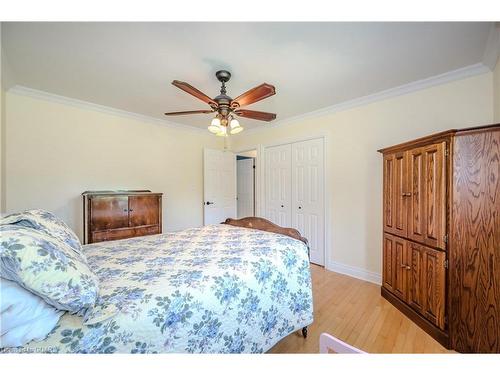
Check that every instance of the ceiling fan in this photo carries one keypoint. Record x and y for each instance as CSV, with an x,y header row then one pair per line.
x,y
226,107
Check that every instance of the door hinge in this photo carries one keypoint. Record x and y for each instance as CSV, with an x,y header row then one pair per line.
x,y
446,152
445,238
446,263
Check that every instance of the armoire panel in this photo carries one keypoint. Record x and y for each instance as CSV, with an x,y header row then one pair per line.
x,y
475,243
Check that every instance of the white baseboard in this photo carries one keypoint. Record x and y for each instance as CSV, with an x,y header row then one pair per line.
x,y
358,273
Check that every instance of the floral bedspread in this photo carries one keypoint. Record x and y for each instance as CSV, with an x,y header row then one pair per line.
x,y
216,289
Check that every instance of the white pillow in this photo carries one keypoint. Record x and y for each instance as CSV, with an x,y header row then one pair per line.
x,y
23,315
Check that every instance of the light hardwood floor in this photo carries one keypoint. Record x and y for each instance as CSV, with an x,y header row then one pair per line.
x,y
354,311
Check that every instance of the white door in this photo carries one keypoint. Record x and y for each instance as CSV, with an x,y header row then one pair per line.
x,y
308,209
245,183
219,180
278,184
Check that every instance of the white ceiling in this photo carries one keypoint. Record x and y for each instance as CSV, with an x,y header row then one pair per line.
x,y
129,66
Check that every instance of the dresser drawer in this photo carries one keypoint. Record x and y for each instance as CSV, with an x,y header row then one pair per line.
x,y
145,231
119,234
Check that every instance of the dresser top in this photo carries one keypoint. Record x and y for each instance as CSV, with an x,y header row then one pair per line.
x,y
118,192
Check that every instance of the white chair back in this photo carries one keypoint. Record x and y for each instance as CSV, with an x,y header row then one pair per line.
x,y
330,344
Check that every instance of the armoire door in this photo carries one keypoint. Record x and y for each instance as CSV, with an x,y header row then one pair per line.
x,y
389,262
416,287
427,200
109,212
395,193
308,209
435,195
401,268
143,210
416,200
278,184
395,267
433,283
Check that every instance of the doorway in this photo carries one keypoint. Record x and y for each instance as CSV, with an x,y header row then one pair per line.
x,y
245,183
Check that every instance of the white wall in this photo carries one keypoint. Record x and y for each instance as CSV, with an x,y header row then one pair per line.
x,y
355,167
55,152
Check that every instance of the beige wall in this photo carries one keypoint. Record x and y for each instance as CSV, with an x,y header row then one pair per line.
x,y
496,88
355,167
56,151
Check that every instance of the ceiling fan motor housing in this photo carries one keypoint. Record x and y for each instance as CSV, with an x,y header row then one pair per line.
x,y
223,75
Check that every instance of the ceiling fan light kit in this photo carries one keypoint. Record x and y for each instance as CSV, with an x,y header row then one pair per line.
x,y
226,108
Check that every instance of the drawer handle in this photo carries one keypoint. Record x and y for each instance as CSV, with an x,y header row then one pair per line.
x,y
406,194
405,266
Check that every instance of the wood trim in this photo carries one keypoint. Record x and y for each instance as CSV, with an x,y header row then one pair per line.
x,y
437,137
267,226
439,335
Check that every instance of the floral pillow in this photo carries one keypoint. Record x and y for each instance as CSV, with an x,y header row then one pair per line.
x,y
47,267
48,223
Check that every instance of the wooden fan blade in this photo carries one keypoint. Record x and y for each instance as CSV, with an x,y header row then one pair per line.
x,y
188,112
195,92
254,95
256,115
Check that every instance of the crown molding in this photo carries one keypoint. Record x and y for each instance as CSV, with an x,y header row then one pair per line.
x,y
38,94
454,75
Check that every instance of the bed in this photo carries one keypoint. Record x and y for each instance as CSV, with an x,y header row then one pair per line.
x,y
227,288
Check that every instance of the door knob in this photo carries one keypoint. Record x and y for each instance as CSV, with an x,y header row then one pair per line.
x,y
300,207
282,206
209,203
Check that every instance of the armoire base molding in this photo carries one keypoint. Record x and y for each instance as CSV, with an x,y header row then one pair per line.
x,y
436,333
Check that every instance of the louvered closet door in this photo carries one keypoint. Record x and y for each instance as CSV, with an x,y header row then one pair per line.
x,y
278,185
308,209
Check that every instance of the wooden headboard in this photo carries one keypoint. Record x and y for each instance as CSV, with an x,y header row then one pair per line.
x,y
266,225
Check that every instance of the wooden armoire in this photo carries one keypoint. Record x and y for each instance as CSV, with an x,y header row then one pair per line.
x,y
115,215
441,235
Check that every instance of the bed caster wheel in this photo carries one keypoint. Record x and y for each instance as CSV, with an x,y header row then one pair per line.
x,y
304,332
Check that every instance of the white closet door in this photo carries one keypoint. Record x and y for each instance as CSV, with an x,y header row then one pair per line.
x,y
219,180
245,187
308,209
278,185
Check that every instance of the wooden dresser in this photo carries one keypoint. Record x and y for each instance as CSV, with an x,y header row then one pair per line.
x,y
441,235
114,215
